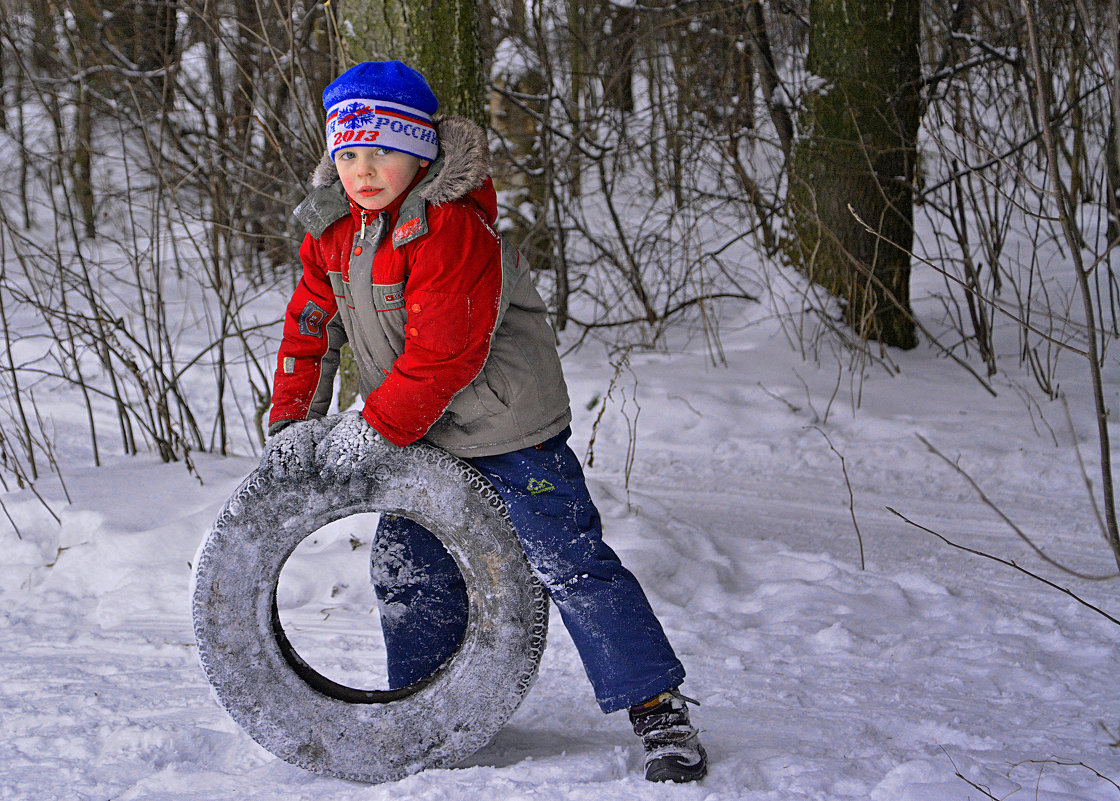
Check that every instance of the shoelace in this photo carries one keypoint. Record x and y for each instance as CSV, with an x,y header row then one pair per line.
x,y
665,728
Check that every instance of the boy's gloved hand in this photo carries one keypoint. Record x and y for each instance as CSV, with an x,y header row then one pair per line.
x,y
350,441
291,450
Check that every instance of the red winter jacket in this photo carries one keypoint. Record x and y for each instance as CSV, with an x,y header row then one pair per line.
x,y
451,339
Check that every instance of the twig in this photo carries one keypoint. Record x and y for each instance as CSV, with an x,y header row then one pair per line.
x,y
978,787
1115,739
851,495
589,455
1022,535
966,780
1070,764
675,309
1073,242
792,407
1009,563
989,301
49,450
1084,473
1006,155
8,515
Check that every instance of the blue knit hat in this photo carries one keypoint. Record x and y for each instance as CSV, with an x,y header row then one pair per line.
x,y
381,104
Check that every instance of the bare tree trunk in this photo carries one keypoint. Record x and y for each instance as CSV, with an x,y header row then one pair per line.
x,y
856,156
3,71
450,55
21,134
1113,146
768,75
81,168
1066,213
43,42
440,38
618,58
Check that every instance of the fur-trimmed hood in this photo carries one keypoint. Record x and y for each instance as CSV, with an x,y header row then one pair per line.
x,y
461,167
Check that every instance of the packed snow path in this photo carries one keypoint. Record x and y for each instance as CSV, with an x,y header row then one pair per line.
x,y
819,680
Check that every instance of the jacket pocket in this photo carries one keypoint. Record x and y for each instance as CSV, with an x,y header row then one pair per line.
x,y
488,399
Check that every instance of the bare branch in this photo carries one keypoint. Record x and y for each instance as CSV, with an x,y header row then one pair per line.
x,y
1009,563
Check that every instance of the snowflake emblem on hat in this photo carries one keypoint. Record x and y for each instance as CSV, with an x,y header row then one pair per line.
x,y
356,115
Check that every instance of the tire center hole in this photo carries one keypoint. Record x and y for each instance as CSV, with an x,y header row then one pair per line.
x,y
328,607
330,612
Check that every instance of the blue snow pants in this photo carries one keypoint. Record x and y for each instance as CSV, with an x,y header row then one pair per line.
x,y
423,600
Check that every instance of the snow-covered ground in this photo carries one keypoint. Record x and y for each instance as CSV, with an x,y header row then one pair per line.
x,y
929,675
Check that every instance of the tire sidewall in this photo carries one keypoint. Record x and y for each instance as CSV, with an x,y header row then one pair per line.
x,y
467,701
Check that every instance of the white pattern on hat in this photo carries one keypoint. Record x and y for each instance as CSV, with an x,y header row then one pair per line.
x,y
361,122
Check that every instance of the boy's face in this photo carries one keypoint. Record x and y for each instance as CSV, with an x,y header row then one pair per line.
x,y
375,176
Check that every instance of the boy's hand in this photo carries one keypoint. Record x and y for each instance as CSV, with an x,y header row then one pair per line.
x,y
330,446
350,441
291,451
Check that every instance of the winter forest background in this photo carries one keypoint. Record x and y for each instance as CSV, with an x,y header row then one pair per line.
x,y
869,177
153,151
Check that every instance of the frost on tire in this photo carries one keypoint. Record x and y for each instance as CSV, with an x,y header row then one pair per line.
x,y
313,474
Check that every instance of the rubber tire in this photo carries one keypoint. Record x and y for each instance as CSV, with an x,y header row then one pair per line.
x,y
286,706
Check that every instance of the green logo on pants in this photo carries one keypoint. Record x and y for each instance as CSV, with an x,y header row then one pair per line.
x,y
539,485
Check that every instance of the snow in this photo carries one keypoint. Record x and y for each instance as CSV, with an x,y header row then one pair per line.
x,y
929,675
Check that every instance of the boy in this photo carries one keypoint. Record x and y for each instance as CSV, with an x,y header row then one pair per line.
x,y
402,261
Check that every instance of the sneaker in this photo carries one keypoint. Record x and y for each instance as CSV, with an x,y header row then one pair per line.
x,y
673,750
